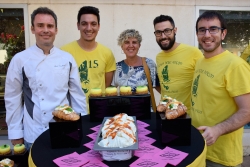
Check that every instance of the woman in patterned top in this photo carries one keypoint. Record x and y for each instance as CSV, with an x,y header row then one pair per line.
x,y
130,71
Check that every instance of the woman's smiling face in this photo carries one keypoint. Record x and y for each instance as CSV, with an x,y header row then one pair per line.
x,y
131,47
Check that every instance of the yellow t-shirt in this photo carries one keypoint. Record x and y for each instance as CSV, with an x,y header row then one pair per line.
x,y
217,81
175,71
92,65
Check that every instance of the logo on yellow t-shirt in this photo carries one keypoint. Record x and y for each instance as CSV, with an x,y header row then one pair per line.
x,y
84,73
165,77
195,85
83,70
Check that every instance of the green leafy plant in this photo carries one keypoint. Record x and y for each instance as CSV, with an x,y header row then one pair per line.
x,y
11,42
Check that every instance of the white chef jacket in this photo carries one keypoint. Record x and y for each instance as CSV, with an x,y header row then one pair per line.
x,y
45,81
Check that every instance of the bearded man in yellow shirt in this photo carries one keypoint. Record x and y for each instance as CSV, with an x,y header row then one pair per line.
x,y
175,63
220,94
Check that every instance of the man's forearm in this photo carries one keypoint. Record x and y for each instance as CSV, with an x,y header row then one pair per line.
x,y
239,119
236,121
108,78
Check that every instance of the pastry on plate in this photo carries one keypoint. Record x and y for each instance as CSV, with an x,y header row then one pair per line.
x,y
66,113
111,91
95,92
7,163
141,90
125,90
5,149
19,148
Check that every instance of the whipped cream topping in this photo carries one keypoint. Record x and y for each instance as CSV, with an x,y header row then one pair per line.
x,y
66,109
118,131
173,106
5,161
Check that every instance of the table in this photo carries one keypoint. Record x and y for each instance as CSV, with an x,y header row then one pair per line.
x,y
42,155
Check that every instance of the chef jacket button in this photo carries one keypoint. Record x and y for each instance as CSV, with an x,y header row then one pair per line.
x,y
42,99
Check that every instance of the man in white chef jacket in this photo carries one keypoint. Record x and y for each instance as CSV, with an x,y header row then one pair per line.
x,y
45,77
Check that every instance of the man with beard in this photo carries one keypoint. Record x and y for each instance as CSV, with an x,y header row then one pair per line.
x,y
220,102
175,63
96,63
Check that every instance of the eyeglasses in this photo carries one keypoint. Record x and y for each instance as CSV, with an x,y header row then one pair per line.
x,y
211,30
167,31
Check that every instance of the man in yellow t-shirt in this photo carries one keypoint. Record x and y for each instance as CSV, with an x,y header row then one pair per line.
x,y
175,63
96,63
220,94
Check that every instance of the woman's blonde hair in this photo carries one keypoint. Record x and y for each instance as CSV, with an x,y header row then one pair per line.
x,y
128,34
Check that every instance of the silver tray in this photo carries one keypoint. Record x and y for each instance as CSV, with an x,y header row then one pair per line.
x,y
99,138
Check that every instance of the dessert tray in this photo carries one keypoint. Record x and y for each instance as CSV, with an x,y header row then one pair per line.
x,y
115,153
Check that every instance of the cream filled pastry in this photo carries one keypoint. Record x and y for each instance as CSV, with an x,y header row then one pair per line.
x,y
164,102
172,107
119,131
65,112
7,163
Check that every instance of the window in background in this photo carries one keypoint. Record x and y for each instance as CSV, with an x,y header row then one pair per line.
x,y
12,32
13,39
238,31
238,23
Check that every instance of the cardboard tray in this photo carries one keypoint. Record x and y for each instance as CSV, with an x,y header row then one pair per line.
x,y
99,138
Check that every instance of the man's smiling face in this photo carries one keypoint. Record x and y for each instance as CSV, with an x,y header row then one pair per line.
x,y
88,27
166,42
210,43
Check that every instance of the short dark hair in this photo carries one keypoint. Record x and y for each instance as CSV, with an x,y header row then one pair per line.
x,y
212,15
88,10
163,18
43,10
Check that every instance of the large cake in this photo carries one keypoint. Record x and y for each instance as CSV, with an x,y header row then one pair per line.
x,y
118,131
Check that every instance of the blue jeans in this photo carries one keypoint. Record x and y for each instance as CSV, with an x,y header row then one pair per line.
x,y
27,145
